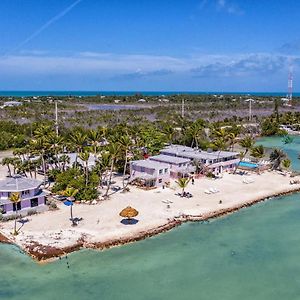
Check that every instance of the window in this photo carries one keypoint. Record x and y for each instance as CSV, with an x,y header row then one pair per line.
x,y
160,171
2,209
34,202
24,193
160,181
166,170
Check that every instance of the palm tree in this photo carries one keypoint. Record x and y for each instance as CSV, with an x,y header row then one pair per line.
x,y
287,139
200,167
183,183
7,161
113,150
20,152
94,138
102,165
84,156
247,143
258,151
64,159
241,157
56,144
276,158
15,199
195,131
231,137
70,193
286,163
221,133
78,139
125,143
169,131
43,131
39,147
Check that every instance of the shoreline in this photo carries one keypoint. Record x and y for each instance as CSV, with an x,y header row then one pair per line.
x,y
43,254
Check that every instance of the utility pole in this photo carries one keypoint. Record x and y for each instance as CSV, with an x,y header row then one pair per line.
x,y
250,108
290,85
56,118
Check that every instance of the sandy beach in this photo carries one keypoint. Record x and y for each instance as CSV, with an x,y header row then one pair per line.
x,y
50,234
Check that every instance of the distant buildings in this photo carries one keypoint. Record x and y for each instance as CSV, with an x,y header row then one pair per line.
x,y
32,196
11,104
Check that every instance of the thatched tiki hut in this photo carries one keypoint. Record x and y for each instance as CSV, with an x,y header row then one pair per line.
x,y
129,213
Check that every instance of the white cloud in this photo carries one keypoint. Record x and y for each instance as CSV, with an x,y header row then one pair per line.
x,y
133,66
229,7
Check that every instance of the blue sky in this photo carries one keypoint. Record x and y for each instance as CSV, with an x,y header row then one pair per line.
x,y
177,45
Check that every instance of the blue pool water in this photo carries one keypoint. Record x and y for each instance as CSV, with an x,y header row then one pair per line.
x,y
248,164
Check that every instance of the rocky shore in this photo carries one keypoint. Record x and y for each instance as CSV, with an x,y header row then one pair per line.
x,y
44,253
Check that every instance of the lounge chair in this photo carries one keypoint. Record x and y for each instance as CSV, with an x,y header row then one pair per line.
x,y
213,190
207,192
245,180
248,180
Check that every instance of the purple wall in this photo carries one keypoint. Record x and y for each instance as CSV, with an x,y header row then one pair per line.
x,y
25,204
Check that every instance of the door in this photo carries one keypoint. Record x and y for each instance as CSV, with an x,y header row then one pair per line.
x,y
18,206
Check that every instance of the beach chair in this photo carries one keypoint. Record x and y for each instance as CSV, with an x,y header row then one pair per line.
x,y
213,190
207,192
245,180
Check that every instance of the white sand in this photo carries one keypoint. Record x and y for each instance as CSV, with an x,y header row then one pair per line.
x,y
101,222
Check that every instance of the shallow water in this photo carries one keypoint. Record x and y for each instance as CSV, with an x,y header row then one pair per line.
x,y
252,254
292,149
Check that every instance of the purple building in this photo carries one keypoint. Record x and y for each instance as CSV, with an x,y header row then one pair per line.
x,y
31,194
149,173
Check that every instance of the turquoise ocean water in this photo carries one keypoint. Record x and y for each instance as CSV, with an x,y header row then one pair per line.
x,y
252,254
292,149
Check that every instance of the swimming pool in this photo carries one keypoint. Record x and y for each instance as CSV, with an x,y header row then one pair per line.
x,y
249,165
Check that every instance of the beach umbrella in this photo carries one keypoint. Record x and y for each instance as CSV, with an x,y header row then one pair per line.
x,y
129,212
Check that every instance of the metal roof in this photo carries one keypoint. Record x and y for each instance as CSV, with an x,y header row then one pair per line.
x,y
18,184
192,153
150,164
170,159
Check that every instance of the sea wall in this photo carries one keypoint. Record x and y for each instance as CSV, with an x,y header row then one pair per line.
x,y
44,253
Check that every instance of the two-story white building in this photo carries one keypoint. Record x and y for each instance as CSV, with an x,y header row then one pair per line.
x,y
179,166
214,161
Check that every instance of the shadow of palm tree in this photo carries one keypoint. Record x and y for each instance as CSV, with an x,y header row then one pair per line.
x,y
22,222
